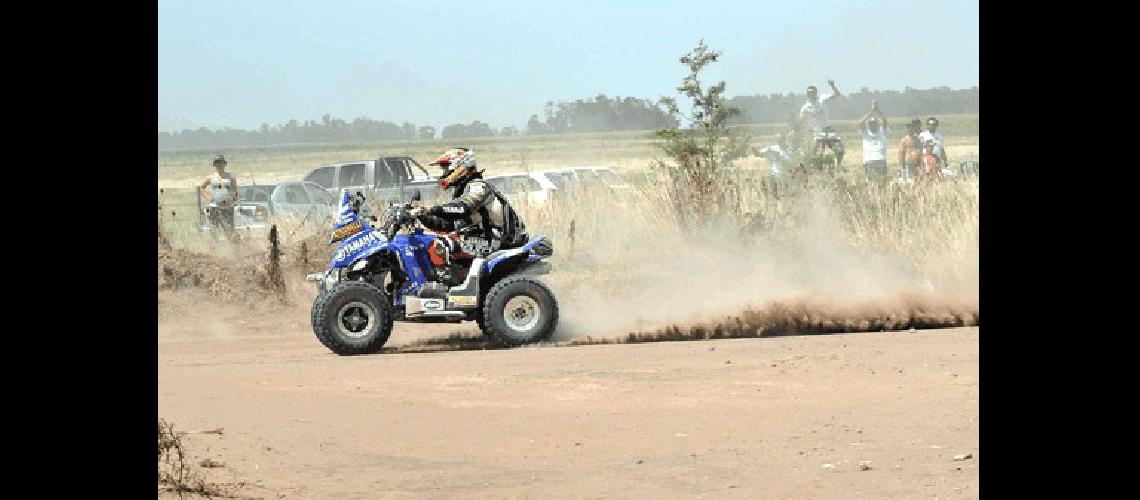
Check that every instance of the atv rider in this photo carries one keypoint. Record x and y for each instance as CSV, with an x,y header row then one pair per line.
x,y
483,217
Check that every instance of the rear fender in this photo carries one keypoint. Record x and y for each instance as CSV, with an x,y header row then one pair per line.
x,y
525,253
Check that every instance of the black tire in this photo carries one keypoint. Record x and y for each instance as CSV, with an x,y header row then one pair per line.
x,y
482,324
336,315
492,341
537,311
314,313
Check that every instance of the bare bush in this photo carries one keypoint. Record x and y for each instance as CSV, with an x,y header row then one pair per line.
x,y
274,279
174,472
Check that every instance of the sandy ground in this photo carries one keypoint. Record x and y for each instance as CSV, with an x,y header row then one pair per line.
x,y
748,418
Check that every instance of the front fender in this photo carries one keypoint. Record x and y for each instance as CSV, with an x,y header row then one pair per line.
x,y
358,247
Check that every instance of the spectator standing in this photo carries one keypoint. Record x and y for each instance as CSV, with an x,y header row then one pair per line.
x,y
815,110
873,127
222,194
910,149
932,134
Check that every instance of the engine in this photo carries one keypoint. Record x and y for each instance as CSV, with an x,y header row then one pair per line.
x,y
443,253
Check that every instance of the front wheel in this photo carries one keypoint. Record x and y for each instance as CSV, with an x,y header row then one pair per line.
x,y
519,310
353,317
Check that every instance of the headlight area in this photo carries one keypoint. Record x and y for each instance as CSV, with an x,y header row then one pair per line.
x,y
358,265
333,276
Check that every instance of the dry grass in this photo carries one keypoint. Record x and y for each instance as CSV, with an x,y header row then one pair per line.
x,y
847,249
175,472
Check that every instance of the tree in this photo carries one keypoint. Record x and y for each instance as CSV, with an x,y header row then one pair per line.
x,y
474,129
534,126
700,187
427,132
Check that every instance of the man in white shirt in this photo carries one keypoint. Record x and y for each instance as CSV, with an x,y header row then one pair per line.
x,y
873,127
222,194
815,111
932,134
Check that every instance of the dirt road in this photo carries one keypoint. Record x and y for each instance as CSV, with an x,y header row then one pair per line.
x,y
750,418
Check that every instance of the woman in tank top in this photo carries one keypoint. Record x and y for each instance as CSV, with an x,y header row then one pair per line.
x,y
222,194
221,186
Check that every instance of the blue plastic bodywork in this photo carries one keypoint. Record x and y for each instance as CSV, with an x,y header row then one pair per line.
x,y
527,248
410,250
355,246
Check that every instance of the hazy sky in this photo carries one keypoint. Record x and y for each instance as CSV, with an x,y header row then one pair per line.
x,y
241,63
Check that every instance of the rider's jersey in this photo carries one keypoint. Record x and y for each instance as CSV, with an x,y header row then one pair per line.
x,y
221,190
475,195
817,113
475,205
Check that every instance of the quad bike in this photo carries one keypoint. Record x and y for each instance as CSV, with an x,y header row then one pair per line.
x,y
399,272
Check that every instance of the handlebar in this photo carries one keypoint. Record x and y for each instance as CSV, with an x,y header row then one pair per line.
x,y
397,217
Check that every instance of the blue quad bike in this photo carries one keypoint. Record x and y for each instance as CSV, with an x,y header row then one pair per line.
x,y
398,272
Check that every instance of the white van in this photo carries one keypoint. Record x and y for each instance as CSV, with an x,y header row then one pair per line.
x,y
591,176
523,187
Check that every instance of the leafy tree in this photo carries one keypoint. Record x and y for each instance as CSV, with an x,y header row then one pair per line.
x,y
702,155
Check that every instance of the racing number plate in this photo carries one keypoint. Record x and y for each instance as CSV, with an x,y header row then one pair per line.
x,y
462,300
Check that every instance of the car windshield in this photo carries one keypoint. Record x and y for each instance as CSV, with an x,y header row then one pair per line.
x,y
251,194
351,175
561,180
295,194
322,176
610,177
514,183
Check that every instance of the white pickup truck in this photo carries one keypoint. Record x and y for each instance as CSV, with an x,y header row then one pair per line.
x,y
385,179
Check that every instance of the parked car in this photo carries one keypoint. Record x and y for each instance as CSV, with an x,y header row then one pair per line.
x,y
261,201
534,188
592,177
608,177
385,179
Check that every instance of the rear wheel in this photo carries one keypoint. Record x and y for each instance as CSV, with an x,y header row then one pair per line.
x,y
519,310
353,318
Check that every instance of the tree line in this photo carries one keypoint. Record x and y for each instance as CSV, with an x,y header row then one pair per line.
x,y
596,114
599,114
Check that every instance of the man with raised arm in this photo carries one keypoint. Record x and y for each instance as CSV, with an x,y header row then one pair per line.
x,y
815,111
873,127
